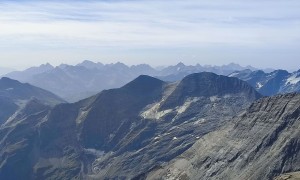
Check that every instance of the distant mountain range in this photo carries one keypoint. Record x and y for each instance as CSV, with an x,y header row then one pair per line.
x,y
119,133
88,78
268,84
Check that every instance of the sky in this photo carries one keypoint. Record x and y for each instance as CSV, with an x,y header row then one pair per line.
x,y
261,33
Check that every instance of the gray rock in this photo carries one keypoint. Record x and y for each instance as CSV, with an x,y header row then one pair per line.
x,y
260,143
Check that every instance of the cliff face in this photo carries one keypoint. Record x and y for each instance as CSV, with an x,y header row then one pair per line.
x,y
261,143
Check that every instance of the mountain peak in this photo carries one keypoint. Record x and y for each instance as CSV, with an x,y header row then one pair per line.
x,y
7,82
90,64
280,72
46,65
119,64
209,84
144,83
5,79
180,64
206,84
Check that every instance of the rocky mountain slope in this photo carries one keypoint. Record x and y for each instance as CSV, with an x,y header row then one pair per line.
x,y
85,79
260,143
14,95
276,82
119,133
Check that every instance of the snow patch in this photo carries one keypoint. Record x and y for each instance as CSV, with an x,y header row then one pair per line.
x,y
9,89
200,121
94,152
259,85
227,96
111,136
153,110
133,125
186,105
293,79
153,113
157,137
233,74
214,98
175,138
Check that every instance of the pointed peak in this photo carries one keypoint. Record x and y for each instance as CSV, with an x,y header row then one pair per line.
x,y
145,78
90,64
120,64
47,65
258,72
280,71
144,82
8,84
180,64
62,66
5,79
88,61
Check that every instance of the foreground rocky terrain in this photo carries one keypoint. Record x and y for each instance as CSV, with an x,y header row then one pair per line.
x,y
119,133
261,143
288,176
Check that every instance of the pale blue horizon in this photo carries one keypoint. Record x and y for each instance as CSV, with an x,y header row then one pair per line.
x,y
263,34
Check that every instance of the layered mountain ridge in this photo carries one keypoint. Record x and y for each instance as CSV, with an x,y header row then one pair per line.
x,y
85,79
119,133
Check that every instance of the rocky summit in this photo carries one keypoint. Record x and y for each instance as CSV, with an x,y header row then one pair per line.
x,y
120,133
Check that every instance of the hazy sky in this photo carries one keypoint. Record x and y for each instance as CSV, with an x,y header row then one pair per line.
x,y
261,33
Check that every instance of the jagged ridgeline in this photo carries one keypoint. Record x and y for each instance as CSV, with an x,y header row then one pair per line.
x,y
88,78
119,133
